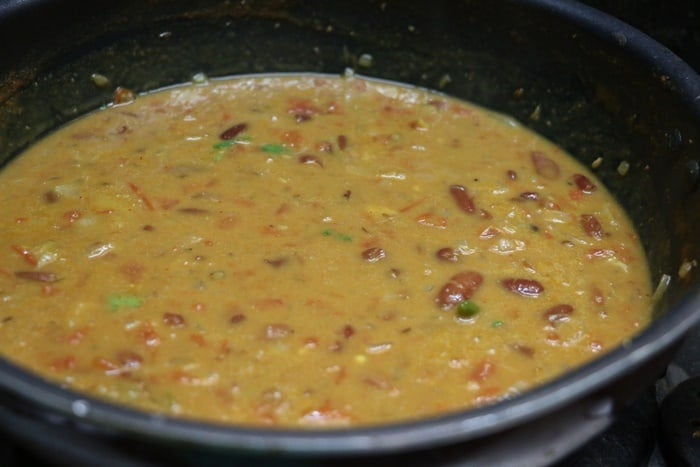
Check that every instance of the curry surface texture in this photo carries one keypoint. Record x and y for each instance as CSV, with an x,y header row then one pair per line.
x,y
309,251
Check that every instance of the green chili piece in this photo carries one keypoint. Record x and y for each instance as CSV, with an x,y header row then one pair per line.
x,y
225,144
222,146
467,309
340,236
117,302
274,149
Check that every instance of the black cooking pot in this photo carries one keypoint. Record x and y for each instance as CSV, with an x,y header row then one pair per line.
x,y
592,84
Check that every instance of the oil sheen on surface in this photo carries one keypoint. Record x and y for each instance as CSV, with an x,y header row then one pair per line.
x,y
309,251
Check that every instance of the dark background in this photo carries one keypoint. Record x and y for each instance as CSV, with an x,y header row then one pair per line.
x,y
674,23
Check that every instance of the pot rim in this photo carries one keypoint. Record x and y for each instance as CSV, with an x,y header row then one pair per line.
x,y
466,425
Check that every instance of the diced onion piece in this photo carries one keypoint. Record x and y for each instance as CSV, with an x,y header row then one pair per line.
x,y
664,282
623,168
444,80
99,80
46,254
686,267
100,250
365,60
200,78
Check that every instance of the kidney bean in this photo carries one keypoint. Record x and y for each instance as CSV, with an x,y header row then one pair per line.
x,y
460,287
447,254
325,146
372,255
237,318
592,226
450,295
50,196
584,184
544,165
558,314
195,211
122,96
471,280
173,319
277,262
37,276
512,175
523,349
233,131
348,331
524,287
342,142
461,197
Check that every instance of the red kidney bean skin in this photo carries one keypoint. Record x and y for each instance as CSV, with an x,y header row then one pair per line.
x,y
558,314
584,184
325,146
233,131
462,198
372,255
544,166
447,254
342,142
525,350
591,226
310,159
37,276
524,287
173,319
302,117
348,331
51,196
237,318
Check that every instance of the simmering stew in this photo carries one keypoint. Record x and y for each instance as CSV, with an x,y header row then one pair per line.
x,y
307,250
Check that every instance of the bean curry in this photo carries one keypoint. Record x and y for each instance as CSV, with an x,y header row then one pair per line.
x,y
309,251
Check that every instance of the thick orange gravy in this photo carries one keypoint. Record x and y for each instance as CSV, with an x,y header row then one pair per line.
x,y
309,251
